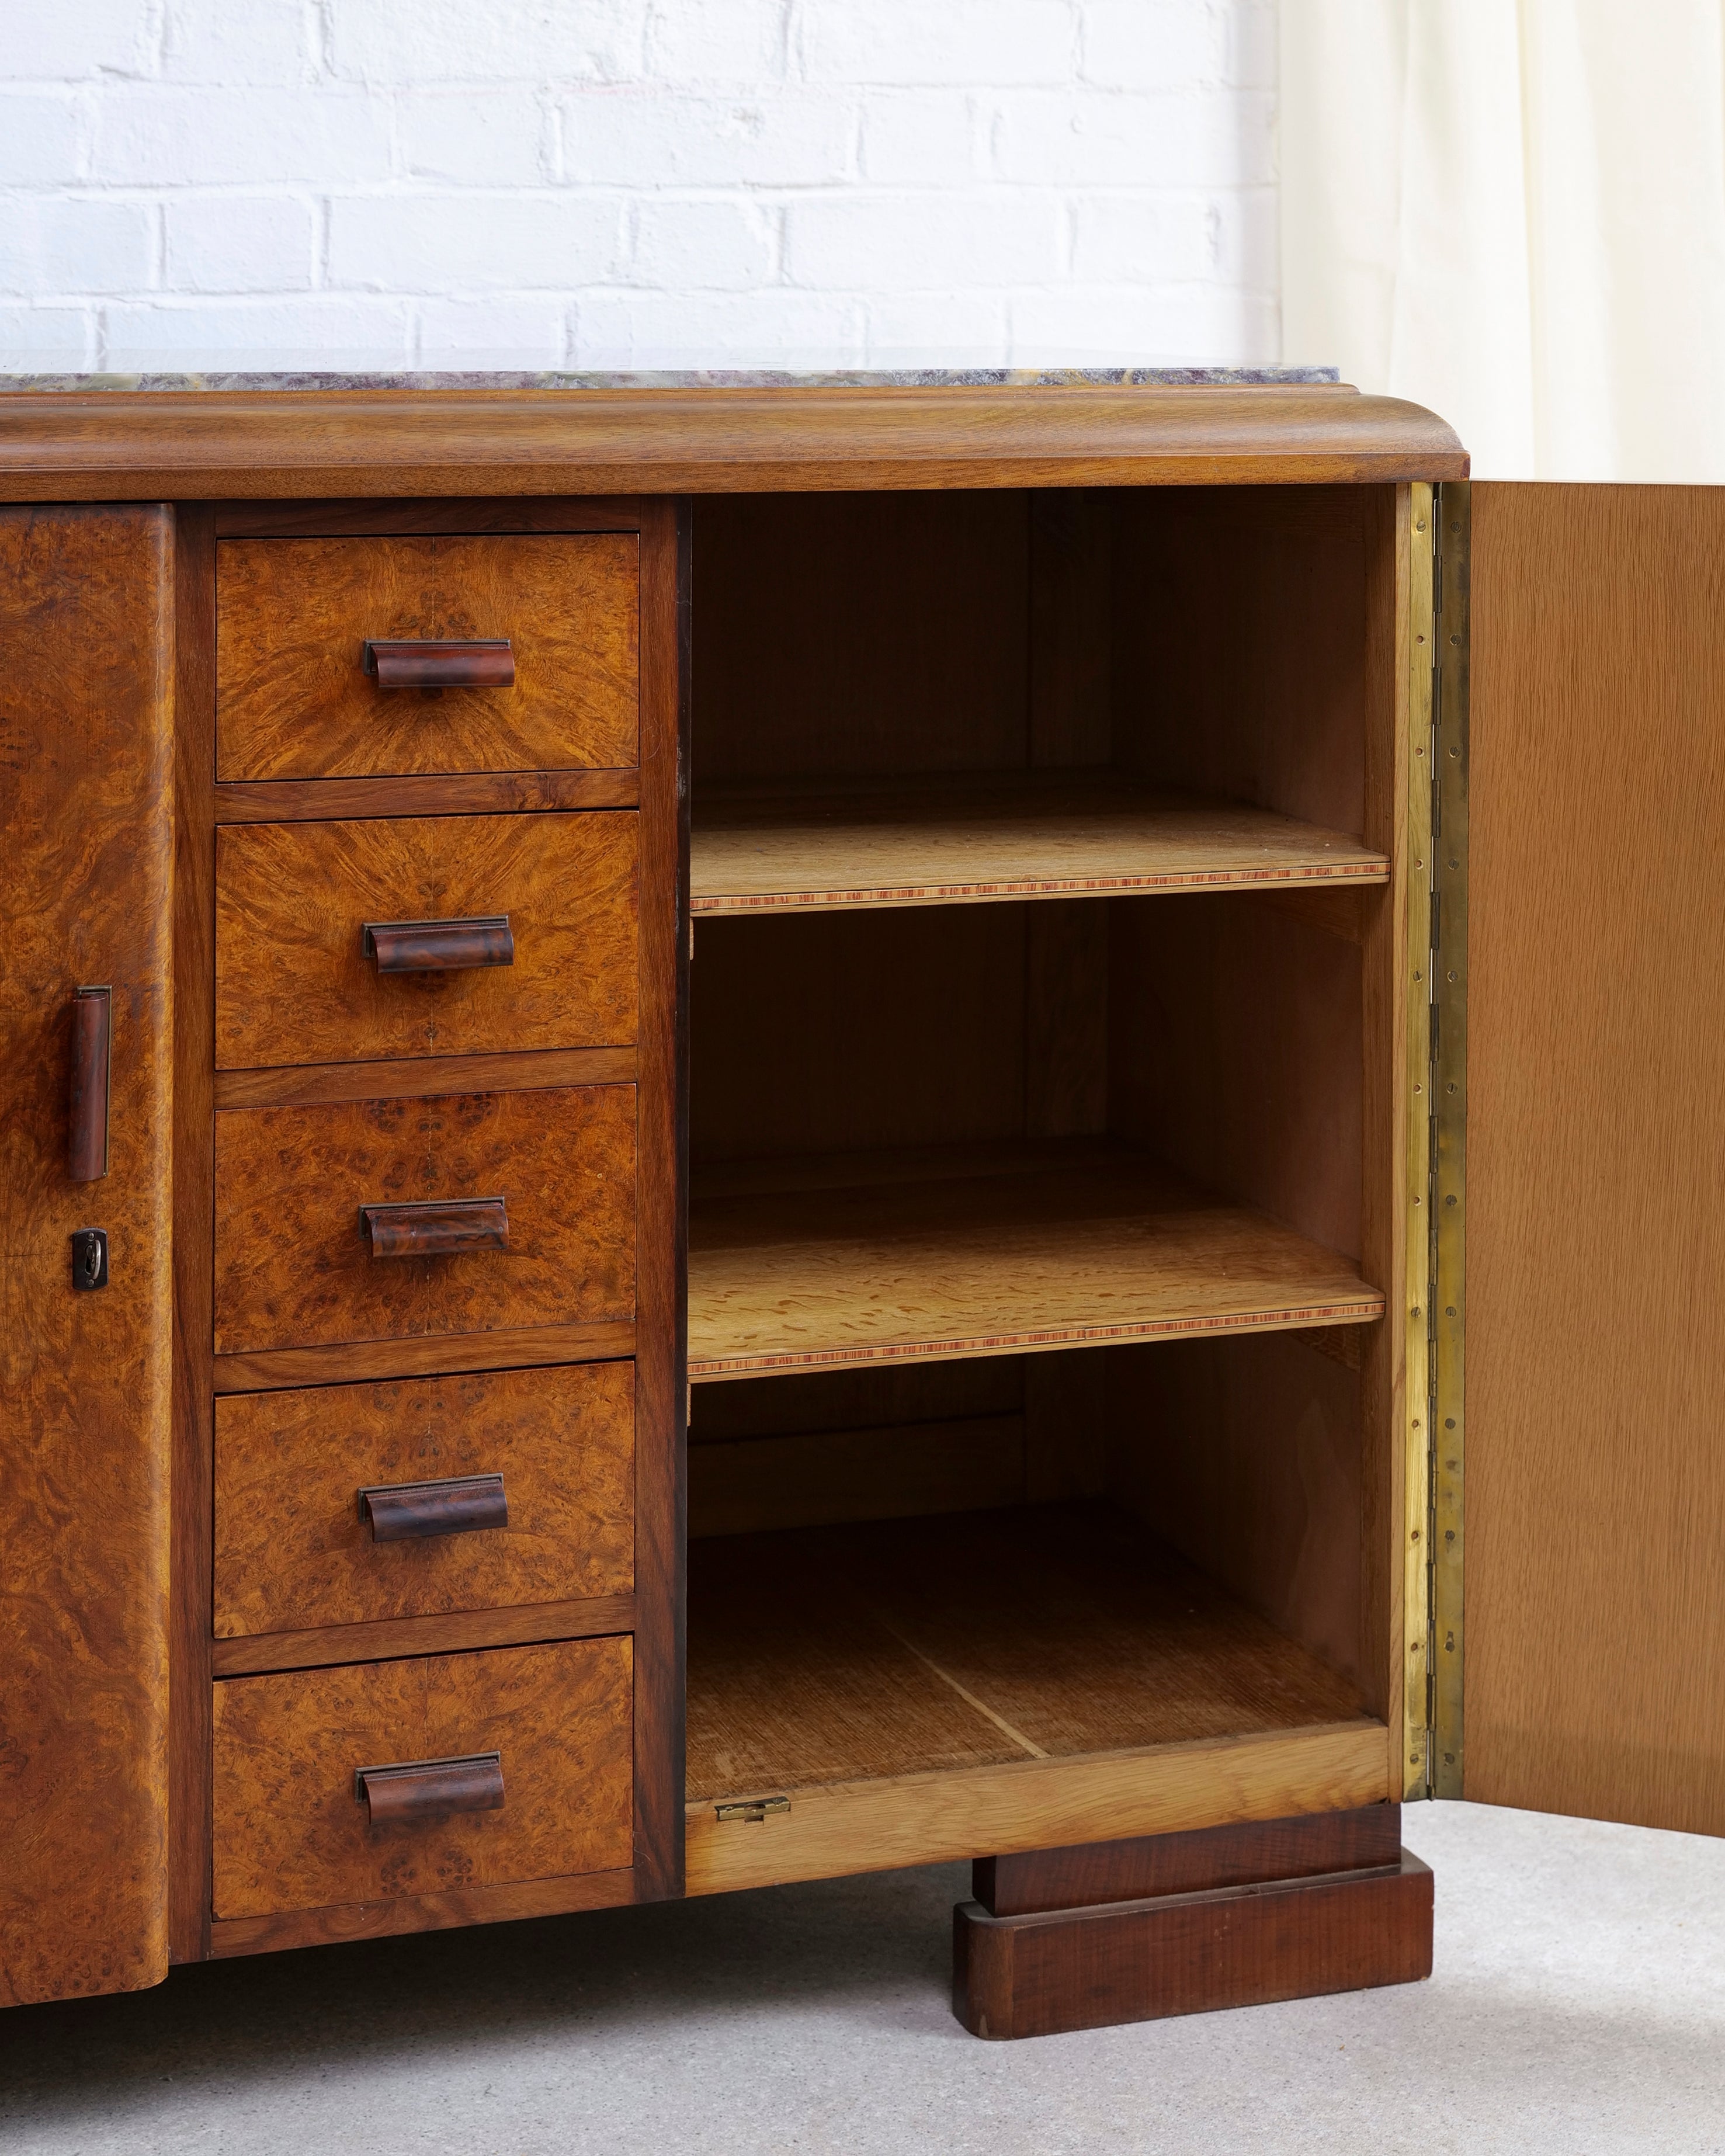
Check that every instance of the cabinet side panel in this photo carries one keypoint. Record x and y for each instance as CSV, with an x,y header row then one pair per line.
x,y
1595,1671
86,802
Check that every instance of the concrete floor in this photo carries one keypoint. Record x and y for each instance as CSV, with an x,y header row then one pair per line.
x,y
1578,2006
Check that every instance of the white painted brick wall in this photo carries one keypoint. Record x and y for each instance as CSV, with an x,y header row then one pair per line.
x,y
590,180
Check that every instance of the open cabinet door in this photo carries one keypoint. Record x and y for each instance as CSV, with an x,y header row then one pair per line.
x,y
86,816
1594,1570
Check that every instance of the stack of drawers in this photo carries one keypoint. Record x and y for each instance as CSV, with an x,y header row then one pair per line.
x,y
428,1011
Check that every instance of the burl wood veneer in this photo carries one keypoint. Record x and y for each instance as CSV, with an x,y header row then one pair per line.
x,y
292,1550
295,985
86,805
291,1833
294,1267
293,616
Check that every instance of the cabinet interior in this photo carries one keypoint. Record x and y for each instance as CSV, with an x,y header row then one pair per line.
x,y
1041,1084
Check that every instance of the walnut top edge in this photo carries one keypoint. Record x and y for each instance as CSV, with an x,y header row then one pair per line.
x,y
120,443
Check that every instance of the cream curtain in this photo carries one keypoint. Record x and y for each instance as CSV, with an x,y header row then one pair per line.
x,y
1513,210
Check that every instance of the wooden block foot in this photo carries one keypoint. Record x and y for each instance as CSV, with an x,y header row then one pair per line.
x,y
1053,1969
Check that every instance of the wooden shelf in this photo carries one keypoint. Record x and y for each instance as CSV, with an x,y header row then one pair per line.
x,y
811,1265
964,841
912,1667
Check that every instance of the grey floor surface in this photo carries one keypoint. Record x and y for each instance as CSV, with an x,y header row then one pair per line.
x,y
1579,2005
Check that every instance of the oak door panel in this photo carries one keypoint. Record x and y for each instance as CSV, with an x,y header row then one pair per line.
x,y
86,807
294,1266
294,981
292,1551
293,616
1594,1641
291,1833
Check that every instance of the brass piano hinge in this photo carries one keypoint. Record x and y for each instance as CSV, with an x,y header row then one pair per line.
x,y
1448,1286
755,1809
1423,812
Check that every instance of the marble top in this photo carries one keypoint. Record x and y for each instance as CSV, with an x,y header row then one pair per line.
x,y
308,373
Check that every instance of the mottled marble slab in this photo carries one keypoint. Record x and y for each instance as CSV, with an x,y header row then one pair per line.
x,y
16,374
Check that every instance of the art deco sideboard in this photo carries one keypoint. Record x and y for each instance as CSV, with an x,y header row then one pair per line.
x,y
552,1361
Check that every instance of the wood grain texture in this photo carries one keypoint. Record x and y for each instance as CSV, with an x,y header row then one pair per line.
x,y
661,1371
751,1485
508,1348
1396,790
194,960
117,445
845,1653
986,1251
1246,680
472,793
1200,1862
421,1912
290,1832
1247,1454
291,1551
530,1071
1041,835
384,1638
1236,1052
86,802
897,625
1595,1641
292,1265
877,1825
293,984
386,518
1190,1953
816,1032
293,700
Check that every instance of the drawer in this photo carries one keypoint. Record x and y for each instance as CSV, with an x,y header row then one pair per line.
x,y
296,982
292,1832
294,1550
294,616
294,1259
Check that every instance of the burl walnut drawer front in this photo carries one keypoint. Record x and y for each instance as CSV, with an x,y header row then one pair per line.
x,y
424,936
338,1504
526,1773
295,618
391,1220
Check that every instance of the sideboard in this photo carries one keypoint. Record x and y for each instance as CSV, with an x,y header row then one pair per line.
x,y
757,1128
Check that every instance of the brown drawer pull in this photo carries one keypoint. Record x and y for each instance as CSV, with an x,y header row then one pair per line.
x,y
436,1227
431,1789
411,1511
439,946
87,1149
484,662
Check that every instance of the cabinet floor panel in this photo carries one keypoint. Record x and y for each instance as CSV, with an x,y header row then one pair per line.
x,y
841,1655
966,838
809,1265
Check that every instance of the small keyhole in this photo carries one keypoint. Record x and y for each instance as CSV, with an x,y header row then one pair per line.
x,y
93,1263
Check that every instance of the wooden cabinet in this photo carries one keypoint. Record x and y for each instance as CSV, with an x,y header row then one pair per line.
x,y
1022,1309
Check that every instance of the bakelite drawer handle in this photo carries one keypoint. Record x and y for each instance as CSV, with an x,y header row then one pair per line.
x,y
411,1511
484,662
438,947
87,1148
436,1227
431,1789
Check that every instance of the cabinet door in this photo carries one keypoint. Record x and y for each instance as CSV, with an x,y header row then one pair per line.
x,y
86,872
1594,1564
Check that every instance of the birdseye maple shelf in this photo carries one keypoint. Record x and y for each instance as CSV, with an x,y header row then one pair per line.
x,y
918,1256
954,840
891,1687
